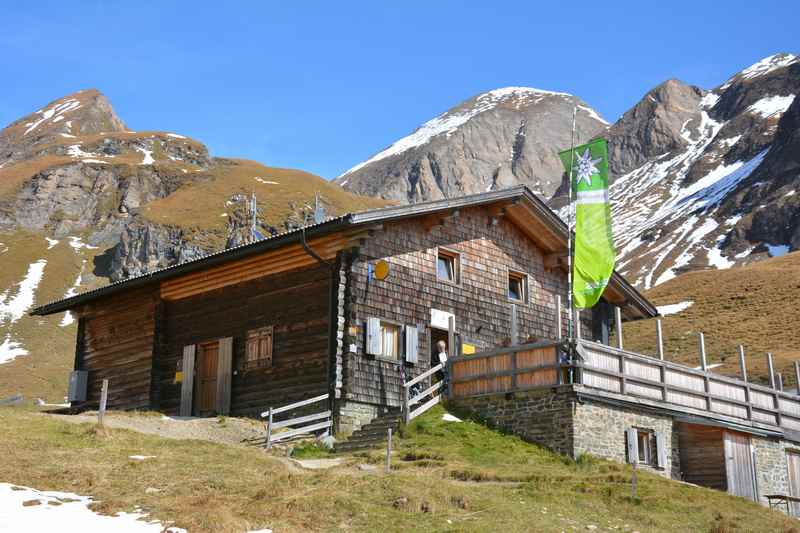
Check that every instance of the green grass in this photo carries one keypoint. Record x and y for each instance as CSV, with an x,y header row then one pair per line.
x,y
512,486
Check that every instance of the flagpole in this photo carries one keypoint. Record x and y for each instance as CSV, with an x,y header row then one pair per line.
x,y
570,327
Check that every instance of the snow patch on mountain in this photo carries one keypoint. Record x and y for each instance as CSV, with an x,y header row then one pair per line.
x,y
14,308
765,66
673,309
771,105
54,112
446,123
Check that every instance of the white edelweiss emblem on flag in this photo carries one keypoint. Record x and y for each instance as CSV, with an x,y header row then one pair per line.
x,y
585,167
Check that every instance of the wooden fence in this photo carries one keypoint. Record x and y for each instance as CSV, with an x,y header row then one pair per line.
x,y
409,401
315,425
613,370
517,368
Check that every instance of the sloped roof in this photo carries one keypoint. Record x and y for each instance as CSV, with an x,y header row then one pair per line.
x,y
637,305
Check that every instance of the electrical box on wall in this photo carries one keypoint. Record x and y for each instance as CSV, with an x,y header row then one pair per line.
x,y
78,380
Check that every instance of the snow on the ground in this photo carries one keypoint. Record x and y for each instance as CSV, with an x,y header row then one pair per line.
x,y
148,155
77,243
26,509
672,309
594,114
265,181
175,135
449,121
10,350
778,250
141,457
50,242
12,308
72,291
447,417
771,105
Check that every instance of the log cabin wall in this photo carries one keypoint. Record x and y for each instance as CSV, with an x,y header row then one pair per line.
x,y
117,344
702,452
295,303
479,302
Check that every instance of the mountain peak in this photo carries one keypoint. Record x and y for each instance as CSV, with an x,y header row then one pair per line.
x,y
763,67
84,112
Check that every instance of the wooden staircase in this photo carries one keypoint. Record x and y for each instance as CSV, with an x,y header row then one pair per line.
x,y
371,435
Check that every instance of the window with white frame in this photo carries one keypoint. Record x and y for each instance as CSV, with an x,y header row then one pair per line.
x,y
390,340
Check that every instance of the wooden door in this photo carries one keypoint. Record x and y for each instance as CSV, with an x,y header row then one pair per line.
x,y
207,378
739,465
793,461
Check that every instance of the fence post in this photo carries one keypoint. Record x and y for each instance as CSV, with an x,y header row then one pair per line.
x,y
771,371
743,368
389,452
742,364
103,402
780,382
659,340
514,326
451,337
269,429
702,341
618,324
559,333
797,377
405,403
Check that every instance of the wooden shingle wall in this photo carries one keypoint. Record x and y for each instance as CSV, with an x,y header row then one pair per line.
x,y
479,302
117,345
702,452
296,305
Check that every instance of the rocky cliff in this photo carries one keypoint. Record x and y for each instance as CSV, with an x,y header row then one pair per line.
x,y
491,141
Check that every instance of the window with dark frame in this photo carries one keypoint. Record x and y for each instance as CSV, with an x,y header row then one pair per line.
x,y
447,266
517,286
259,348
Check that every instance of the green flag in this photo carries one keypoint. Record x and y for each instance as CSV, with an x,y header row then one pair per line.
x,y
594,244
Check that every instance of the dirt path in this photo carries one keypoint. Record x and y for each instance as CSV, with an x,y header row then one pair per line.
x,y
236,431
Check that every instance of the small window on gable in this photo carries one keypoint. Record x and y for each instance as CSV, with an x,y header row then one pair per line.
x,y
390,340
259,348
447,266
517,286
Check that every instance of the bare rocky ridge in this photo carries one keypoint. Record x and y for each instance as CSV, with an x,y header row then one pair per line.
x,y
700,179
492,141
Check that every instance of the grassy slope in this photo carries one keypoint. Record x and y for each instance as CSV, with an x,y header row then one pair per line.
x,y
753,305
42,373
200,204
209,487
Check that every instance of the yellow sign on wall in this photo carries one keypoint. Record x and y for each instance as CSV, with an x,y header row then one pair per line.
x,y
178,377
381,270
467,349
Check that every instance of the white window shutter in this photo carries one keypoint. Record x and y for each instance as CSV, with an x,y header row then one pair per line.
x,y
412,344
373,336
633,445
661,451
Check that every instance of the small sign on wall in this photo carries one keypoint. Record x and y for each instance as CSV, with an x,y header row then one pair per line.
x,y
441,319
467,349
178,377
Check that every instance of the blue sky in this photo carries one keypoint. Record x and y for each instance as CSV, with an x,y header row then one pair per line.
x,y
322,86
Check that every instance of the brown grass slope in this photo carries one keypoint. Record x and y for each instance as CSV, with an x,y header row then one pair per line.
x,y
446,477
755,305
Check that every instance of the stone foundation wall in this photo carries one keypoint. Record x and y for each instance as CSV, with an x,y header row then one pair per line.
x,y
543,417
353,415
599,430
772,469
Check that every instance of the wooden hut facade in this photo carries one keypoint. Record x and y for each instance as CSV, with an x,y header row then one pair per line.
x,y
352,307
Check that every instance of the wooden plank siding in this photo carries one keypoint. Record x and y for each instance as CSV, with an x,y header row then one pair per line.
x,y
117,345
295,303
488,244
702,452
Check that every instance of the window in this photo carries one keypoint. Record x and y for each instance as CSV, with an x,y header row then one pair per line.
x,y
259,348
517,286
390,340
644,443
447,266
